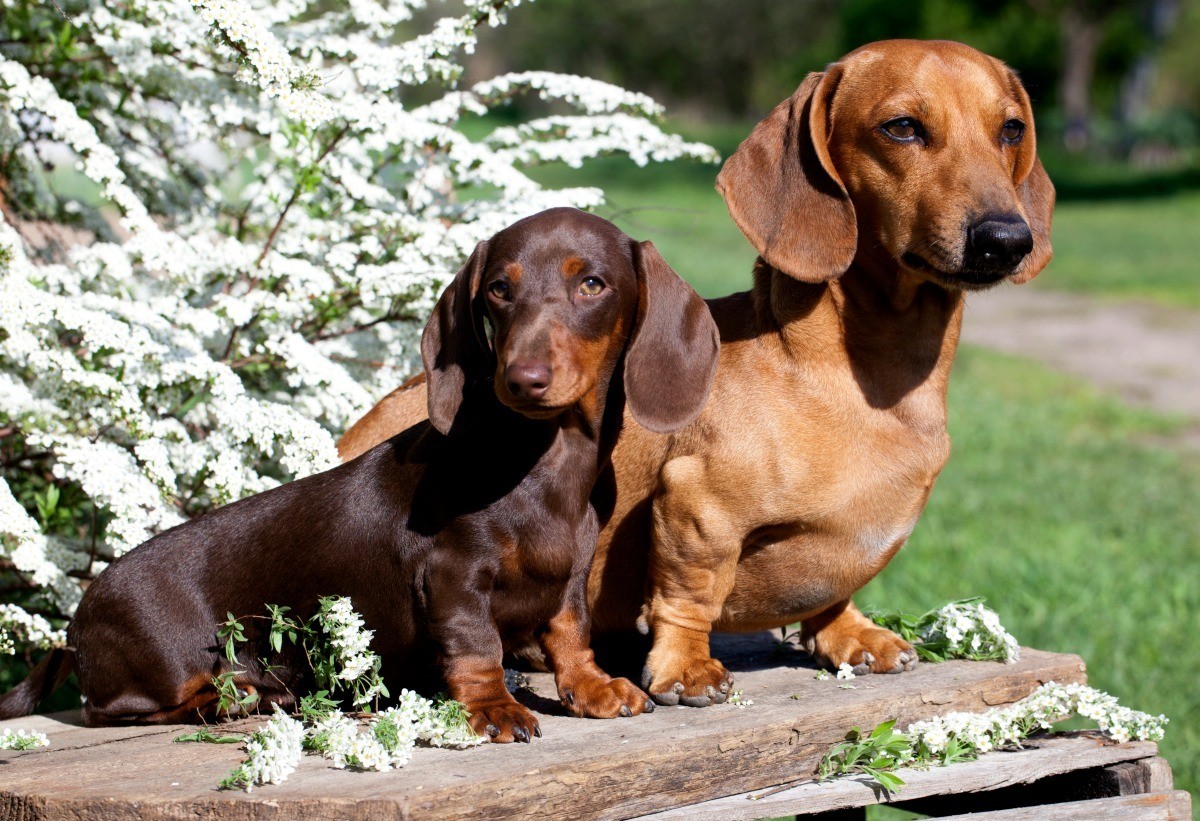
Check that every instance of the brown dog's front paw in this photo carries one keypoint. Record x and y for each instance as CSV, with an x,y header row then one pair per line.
x,y
502,722
605,698
690,682
867,650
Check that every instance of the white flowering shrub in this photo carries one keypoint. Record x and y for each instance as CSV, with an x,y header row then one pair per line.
x,y
224,222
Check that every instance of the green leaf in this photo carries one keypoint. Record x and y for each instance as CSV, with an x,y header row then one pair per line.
x,y
889,781
206,736
883,729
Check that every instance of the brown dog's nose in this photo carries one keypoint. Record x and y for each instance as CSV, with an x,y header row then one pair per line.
x,y
528,380
998,243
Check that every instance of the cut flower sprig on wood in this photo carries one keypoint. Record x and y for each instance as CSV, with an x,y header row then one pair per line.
x,y
338,651
963,629
966,629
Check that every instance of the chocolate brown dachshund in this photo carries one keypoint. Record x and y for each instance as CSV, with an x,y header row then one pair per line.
x,y
456,539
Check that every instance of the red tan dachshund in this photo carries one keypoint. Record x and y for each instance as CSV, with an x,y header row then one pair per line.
x,y
890,184
456,539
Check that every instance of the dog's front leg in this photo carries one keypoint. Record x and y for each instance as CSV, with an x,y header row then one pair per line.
x,y
585,689
693,563
458,603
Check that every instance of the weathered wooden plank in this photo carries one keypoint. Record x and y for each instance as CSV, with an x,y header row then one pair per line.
x,y
1163,806
596,769
1042,758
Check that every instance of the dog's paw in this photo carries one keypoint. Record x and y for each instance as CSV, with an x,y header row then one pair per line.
x,y
502,722
690,682
605,698
866,649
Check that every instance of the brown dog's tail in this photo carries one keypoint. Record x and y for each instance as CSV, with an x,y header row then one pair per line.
x,y
47,676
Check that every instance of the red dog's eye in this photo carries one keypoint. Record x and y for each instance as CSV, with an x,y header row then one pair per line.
x,y
1012,131
903,129
499,289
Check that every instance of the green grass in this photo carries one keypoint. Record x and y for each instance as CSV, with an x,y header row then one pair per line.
x,y
1144,248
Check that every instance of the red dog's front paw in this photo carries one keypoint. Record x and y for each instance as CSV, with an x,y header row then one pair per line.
x,y
693,682
604,698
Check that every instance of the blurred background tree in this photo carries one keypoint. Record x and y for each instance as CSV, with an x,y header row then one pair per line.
x,y
1112,79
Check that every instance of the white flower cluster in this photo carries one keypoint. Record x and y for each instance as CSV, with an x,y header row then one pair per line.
x,y
845,671
388,741
738,699
29,629
973,630
272,753
224,223
350,645
1005,727
22,740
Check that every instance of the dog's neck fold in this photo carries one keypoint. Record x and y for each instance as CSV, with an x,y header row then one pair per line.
x,y
896,337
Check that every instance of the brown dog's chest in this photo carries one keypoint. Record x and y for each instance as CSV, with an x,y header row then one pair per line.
x,y
835,520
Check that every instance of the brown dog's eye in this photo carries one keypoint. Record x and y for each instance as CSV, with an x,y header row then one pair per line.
x,y
499,289
591,286
904,130
1012,131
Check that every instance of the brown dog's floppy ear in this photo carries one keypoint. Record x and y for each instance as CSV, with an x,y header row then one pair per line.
x,y
1037,199
783,191
672,354
452,346
1034,189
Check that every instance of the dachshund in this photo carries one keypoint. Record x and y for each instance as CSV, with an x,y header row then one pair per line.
x,y
887,187
458,538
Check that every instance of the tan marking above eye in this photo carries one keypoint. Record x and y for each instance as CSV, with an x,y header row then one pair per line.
x,y
514,271
572,266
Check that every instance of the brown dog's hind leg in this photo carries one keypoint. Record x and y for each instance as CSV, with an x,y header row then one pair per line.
x,y
586,690
842,635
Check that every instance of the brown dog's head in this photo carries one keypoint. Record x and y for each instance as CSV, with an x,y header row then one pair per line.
x,y
565,293
904,154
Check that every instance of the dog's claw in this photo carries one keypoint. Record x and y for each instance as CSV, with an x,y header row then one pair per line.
x,y
569,697
625,711
668,699
493,730
520,734
537,731
649,706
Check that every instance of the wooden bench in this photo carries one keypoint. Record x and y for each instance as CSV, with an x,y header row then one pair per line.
x,y
722,762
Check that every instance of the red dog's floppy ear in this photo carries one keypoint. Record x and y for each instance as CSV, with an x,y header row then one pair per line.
x,y
783,191
672,354
1034,189
452,347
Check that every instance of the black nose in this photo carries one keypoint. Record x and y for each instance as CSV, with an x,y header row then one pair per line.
x,y
998,243
528,380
